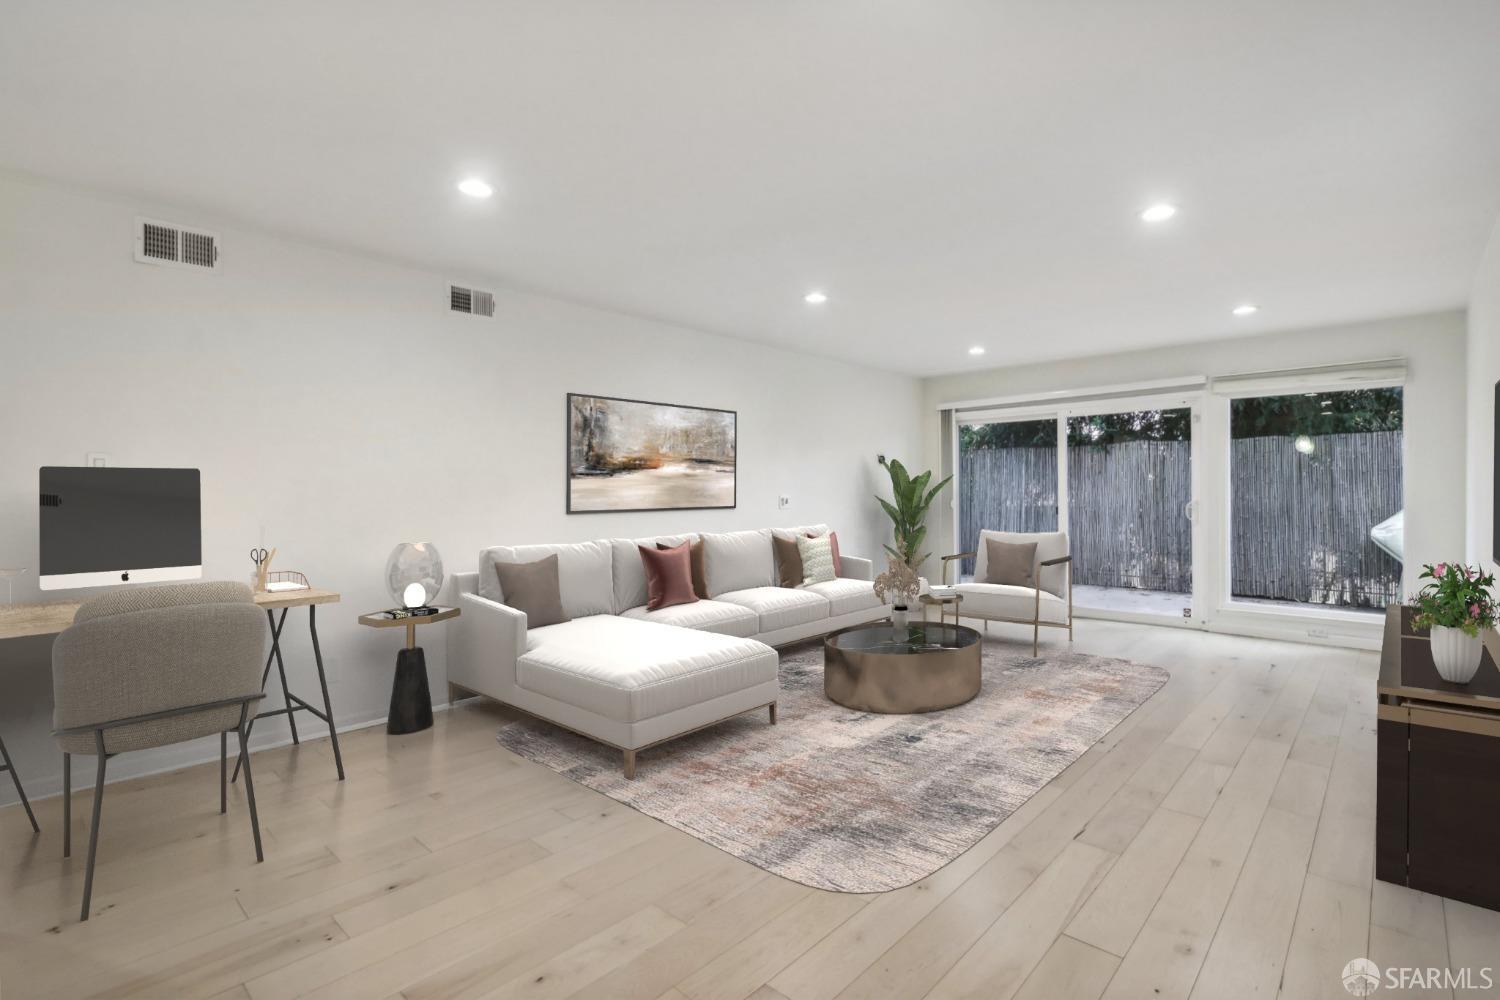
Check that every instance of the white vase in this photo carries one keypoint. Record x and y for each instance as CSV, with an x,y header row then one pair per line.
x,y
1455,654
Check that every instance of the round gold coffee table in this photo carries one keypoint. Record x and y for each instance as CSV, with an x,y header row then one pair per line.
x,y
921,667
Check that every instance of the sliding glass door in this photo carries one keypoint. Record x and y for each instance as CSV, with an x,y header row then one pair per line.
x,y
1007,478
1118,477
1130,505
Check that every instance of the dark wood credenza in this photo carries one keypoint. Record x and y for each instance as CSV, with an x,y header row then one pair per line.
x,y
1437,809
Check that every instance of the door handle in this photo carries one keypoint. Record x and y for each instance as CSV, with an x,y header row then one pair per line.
x,y
1187,509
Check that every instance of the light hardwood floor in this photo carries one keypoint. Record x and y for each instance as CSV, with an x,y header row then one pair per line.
x,y
1218,843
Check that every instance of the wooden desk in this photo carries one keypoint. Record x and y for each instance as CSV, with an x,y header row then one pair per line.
x,y
20,620
49,618
1437,770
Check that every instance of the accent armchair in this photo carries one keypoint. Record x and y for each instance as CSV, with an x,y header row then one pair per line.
x,y
153,666
1046,604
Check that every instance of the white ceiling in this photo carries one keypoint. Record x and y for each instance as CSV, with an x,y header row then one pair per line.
x,y
952,173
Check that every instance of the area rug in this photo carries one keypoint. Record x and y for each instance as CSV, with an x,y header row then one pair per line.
x,y
856,802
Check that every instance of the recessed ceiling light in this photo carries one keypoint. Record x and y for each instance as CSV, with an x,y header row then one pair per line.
x,y
475,188
1245,310
1159,212
815,298
976,350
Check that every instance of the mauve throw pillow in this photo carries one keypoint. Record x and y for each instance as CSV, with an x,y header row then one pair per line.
x,y
1009,562
700,579
833,543
532,587
669,576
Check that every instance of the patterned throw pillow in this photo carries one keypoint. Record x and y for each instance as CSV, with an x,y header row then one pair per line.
x,y
817,559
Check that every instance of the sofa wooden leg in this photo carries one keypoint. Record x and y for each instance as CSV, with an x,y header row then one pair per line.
x,y
630,765
773,713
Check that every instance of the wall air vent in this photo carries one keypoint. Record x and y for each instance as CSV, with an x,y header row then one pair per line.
x,y
471,301
175,246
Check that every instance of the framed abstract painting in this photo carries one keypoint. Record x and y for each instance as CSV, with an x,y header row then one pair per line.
x,y
631,455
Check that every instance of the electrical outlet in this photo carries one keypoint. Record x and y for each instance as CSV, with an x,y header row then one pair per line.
x,y
96,460
783,502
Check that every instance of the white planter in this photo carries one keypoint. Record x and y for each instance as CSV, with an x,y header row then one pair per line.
x,y
1455,654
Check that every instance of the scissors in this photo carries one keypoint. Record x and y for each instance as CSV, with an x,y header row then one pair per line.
x,y
258,556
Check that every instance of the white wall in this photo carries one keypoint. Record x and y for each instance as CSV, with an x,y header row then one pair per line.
x,y
1433,344
1484,372
335,408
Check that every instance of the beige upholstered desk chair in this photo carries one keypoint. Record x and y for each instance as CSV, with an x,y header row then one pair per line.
x,y
148,667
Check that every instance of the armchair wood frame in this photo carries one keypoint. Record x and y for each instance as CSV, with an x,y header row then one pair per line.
x,y
1035,621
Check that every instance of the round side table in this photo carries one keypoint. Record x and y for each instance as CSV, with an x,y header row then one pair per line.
x,y
411,701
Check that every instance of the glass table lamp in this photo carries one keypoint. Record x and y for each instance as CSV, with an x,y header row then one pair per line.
x,y
414,574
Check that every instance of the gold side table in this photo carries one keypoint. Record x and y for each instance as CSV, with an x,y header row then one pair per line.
x,y
942,603
411,701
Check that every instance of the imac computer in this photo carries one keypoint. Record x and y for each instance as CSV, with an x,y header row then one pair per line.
x,y
103,525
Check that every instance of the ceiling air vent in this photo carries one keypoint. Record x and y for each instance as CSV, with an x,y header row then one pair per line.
x,y
471,301
175,246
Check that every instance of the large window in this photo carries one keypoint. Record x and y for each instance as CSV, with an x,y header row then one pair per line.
x,y
1316,499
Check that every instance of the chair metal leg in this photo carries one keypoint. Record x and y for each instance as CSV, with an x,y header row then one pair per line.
x,y
1036,637
67,805
250,788
88,877
223,773
19,790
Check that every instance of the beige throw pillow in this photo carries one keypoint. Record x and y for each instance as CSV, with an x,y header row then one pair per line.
x,y
817,559
1010,563
532,587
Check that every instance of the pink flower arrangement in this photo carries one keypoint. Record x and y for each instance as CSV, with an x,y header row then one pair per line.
x,y
1457,597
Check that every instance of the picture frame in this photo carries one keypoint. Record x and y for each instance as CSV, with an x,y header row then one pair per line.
x,y
631,455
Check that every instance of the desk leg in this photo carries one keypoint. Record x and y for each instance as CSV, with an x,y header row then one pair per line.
x,y
333,733
274,656
291,717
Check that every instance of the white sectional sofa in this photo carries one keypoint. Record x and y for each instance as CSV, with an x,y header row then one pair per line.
x,y
632,678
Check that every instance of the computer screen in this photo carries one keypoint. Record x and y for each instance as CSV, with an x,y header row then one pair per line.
x,y
103,525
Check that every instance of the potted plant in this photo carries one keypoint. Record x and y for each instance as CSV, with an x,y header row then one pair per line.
x,y
908,516
1455,607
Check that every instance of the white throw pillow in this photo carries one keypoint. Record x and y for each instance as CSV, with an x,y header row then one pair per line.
x,y
738,560
817,559
584,573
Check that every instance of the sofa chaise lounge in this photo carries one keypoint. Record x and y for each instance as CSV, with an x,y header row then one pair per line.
x,y
632,678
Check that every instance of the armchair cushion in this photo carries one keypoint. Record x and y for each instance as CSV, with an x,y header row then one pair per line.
x,y
997,600
1049,545
1010,563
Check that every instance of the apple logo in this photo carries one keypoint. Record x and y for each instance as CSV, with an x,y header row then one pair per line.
x,y
124,577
